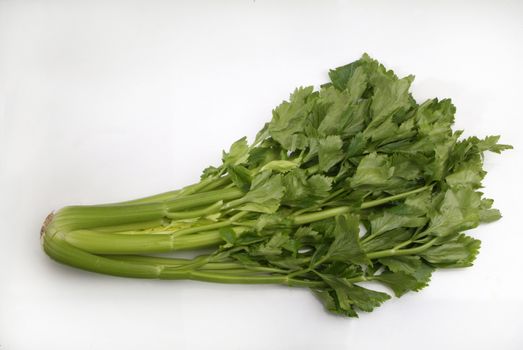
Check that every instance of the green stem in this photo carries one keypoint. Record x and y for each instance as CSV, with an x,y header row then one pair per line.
x,y
212,209
212,276
377,202
209,227
81,217
63,252
238,216
239,279
359,279
402,244
202,228
175,262
181,263
394,252
115,243
205,185
332,212
218,183
131,227
320,215
74,220
321,203
160,197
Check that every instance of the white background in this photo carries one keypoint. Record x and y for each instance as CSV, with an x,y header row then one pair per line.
x,y
104,101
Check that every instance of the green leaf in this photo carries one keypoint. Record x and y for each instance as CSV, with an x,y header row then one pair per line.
x,y
328,299
343,270
366,299
273,246
438,168
340,76
434,119
405,168
349,294
289,119
281,166
262,134
458,211
385,130
387,221
357,84
240,176
389,98
342,112
330,152
238,153
373,170
402,283
210,171
403,134
467,173
248,238
487,213
340,287
458,252
387,240
406,264
278,220
269,150
286,262
346,245
305,231
302,191
419,204
266,192
465,177
490,143
245,259
228,235
319,186
357,145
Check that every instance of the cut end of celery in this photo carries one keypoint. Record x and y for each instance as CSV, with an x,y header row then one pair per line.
x,y
46,223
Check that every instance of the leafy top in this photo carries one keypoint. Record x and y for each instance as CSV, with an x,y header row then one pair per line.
x,y
362,148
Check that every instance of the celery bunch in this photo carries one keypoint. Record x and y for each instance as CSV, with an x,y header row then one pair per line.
x,y
355,182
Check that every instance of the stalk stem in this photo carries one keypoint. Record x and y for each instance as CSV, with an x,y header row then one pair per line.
x,y
394,252
116,243
328,213
376,202
81,217
214,208
65,253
